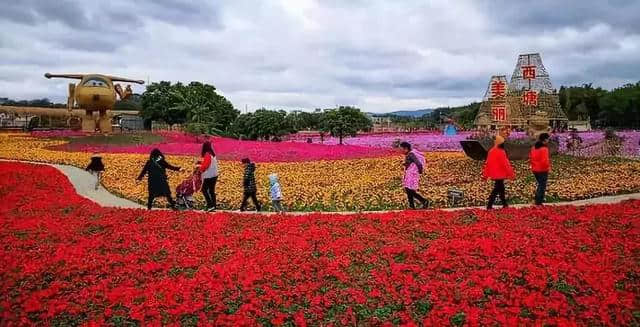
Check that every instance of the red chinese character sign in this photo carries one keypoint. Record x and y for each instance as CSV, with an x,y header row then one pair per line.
x,y
529,72
530,98
499,112
498,89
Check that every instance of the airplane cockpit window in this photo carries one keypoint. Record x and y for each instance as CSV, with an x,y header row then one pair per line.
x,y
97,82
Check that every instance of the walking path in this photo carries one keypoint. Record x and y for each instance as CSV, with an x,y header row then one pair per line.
x,y
84,184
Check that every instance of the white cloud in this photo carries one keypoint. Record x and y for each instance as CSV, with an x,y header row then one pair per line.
x,y
379,55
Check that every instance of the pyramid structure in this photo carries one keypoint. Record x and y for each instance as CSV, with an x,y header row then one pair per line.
x,y
494,102
541,81
528,95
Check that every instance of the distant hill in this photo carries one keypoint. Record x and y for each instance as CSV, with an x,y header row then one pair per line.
x,y
411,113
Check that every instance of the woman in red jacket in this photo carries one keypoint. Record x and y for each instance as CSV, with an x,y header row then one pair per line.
x,y
498,168
540,165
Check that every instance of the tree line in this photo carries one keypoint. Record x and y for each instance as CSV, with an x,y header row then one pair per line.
x,y
462,116
266,124
618,108
41,103
129,104
202,110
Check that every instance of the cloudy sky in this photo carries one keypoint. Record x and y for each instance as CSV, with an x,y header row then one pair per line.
x,y
378,55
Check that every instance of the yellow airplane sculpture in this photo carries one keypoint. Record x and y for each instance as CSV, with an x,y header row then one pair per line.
x,y
95,92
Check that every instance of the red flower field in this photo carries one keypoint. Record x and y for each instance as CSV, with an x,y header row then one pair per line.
x,y
68,261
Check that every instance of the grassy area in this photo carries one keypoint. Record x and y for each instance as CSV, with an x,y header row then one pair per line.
x,y
117,139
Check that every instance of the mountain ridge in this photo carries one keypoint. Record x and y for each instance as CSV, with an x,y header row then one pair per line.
x,y
416,113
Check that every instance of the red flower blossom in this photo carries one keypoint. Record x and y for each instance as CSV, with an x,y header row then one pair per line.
x,y
67,261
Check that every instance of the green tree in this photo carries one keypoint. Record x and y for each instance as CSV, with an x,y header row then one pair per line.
x,y
43,103
305,120
581,102
133,102
197,104
159,102
244,127
271,124
263,124
462,115
205,108
620,107
345,121
466,115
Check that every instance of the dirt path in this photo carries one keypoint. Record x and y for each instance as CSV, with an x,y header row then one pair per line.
x,y
83,182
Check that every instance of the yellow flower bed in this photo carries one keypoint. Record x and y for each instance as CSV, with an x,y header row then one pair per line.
x,y
361,184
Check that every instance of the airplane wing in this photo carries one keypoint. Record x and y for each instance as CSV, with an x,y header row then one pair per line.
x,y
76,76
126,80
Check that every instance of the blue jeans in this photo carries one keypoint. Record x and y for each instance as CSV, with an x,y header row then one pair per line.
x,y
277,205
541,178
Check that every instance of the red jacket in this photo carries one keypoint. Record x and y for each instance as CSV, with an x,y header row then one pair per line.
x,y
540,162
204,165
497,165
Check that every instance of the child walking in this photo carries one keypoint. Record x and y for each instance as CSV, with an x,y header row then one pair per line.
x,y
95,168
276,192
414,163
249,184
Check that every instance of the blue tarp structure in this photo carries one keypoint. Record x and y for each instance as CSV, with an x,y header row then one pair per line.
x,y
450,130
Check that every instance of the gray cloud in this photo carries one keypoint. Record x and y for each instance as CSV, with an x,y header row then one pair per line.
x,y
620,70
83,14
87,42
188,13
409,88
546,15
32,12
372,58
377,54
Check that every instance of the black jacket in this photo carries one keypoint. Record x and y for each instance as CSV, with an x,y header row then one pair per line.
x,y
412,158
249,180
157,181
95,164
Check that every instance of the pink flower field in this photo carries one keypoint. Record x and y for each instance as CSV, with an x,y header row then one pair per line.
x,y
425,141
436,141
362,146
231,149
630,148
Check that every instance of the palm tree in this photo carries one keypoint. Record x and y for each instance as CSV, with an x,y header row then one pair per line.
x,y
198,113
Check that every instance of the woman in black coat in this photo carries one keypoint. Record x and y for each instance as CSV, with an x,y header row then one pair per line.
x,y
157,181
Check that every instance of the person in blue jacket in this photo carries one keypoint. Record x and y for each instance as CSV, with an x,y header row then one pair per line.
x,y
276,193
